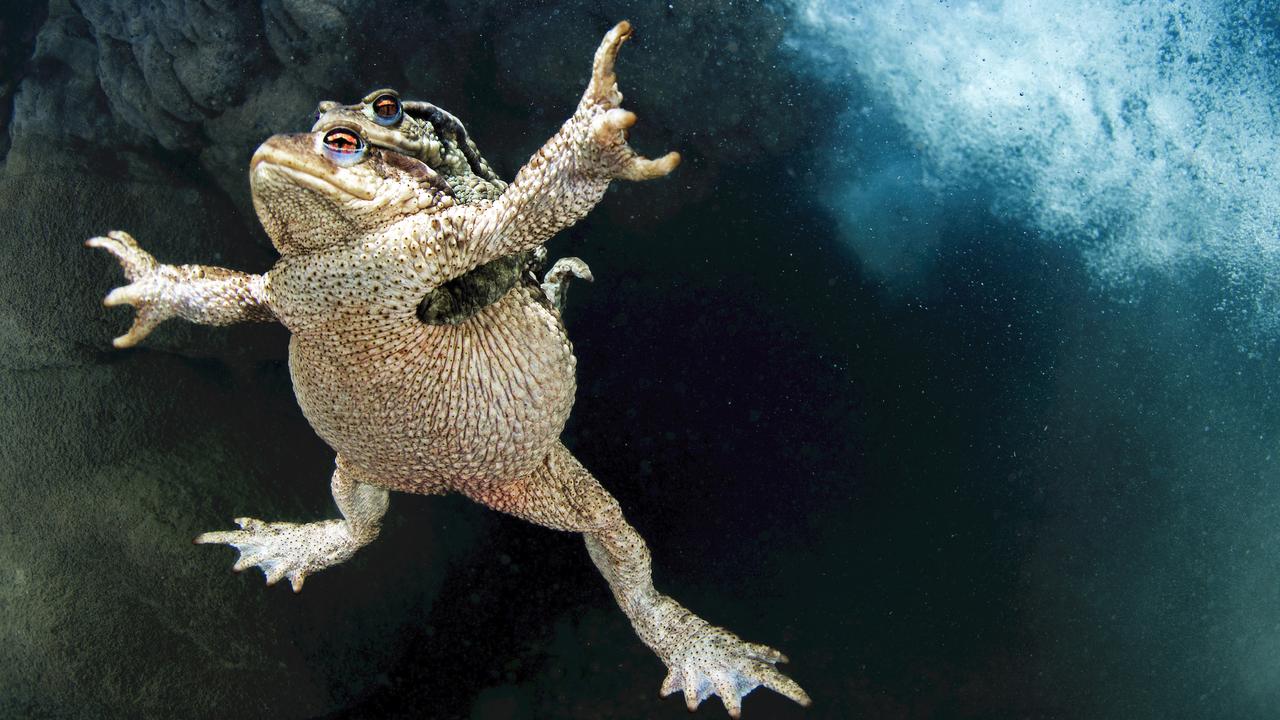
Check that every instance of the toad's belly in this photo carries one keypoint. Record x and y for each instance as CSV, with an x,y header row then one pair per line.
x,y
428,407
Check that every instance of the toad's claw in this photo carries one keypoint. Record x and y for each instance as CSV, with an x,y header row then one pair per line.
x,y
645,169
284,549
717,662
604,82
144,292
566,266
610,122
135,261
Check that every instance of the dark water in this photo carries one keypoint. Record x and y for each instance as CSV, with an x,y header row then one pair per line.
x,y
968,406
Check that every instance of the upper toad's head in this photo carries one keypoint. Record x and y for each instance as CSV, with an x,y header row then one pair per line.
x,y
420,130
320,189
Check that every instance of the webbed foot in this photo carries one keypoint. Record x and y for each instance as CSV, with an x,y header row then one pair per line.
x,y
285,549
714,661
609,122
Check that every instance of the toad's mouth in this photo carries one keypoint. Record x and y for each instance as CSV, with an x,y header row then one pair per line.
x,y
309,171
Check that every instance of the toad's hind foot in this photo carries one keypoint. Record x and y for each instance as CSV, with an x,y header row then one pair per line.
x,y
291,550
714,661
285,549
703,659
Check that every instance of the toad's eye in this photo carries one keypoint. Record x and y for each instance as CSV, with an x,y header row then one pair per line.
x,y
386,109
344,147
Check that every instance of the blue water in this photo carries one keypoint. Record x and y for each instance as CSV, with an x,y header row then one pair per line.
x,y
1142,133
1139,139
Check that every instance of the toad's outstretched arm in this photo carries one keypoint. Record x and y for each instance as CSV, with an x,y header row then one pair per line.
x,y
569,174
198,293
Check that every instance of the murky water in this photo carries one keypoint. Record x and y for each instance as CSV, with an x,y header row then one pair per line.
x,y
946,363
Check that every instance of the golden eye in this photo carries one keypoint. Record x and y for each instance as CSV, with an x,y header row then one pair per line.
x,y
344,147
342,140
386,109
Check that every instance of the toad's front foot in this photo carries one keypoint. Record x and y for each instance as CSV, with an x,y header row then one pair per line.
x,y
199,293
609,122
285,549
556,282
149,288
714,661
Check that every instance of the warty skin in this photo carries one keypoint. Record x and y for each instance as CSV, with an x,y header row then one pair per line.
x,y
475,407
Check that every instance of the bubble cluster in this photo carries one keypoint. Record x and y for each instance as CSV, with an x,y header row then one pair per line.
x,y
1144,132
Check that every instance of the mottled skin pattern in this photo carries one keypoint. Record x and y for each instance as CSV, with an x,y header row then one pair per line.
x,y
422,131
474,406
437,138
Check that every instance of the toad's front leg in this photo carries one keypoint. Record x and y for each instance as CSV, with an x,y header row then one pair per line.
x,y
569,174
293,550
197,293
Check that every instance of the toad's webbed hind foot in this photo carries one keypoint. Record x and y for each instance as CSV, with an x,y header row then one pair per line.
x,y
294,551
702,659
285,549
714,661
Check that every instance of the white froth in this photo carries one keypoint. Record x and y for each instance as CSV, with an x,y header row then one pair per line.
x,y
1147,132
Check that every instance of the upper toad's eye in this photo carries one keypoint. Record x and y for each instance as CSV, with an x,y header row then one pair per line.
x,y
344,147
386,109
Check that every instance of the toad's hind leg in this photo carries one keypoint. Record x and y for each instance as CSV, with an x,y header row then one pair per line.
x,y
702,659
294,550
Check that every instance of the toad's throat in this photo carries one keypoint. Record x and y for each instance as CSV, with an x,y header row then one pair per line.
x,y
462,297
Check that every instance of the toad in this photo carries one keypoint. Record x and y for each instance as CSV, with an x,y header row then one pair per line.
x,y
471,401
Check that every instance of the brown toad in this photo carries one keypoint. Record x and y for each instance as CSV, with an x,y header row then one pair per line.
x,y
474,404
